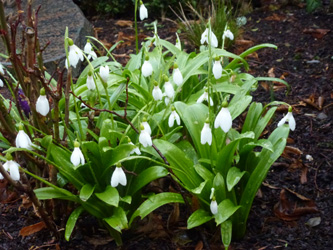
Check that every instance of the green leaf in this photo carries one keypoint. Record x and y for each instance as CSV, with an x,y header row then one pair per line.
x,y
226,233
203,172
118,220
47,193
109,196
198,218
233,177
155,201
86,191
225,210
72,221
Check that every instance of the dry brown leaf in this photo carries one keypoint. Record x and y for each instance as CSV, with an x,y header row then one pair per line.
x,y
316,33
124,23
270,72
304,177
199,246
243,42
321,100
29,230
276,17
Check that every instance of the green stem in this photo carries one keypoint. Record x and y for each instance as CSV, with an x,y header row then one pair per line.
x,y
136,27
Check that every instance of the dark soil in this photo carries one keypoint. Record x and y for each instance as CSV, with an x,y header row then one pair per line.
x,y
305,60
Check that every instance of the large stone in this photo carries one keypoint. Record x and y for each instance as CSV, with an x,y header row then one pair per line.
x,y
53,18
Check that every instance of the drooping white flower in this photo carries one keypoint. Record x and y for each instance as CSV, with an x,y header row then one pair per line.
x,y
1,69
74,55
147,68
228,34
173,117
206,134
178,43
169,90
118,177
144,137
204,97
23,140
143,11
213,39
157,93
217,69
213,207
13,168
177,75
223,119
135,150
42,105
90,82
88,49
77,157
104,73
146,126
167,100
1,83
288,118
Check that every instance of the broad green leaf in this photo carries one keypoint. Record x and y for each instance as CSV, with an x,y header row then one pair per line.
x,y
156,201
72,221
109,196
219,185
225,210
198,218
226,233
203,172
127,199
199,189
233,177
86,191
261,143
118,220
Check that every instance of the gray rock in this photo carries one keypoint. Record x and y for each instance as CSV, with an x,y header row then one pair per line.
x,y
322,116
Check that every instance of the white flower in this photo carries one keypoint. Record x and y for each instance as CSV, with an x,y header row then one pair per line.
x,y
157,93
178,43
217,69
204,97
23,140
77,157
206,134
74,56
135,150
145,138
166,100
212,193
213,39
88,49
228,34
1,83
104,73
177,76
90,82
42,105
146,127
174,117
13,168
1,69
147,69
169,90
213,207
143,12
5,166
290,119
118,177
223,120
309,157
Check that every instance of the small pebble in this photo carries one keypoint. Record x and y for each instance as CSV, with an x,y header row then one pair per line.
x,y
322,116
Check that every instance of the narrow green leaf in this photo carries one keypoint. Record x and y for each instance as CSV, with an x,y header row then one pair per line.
x,y
198,218
109,196
47,193
233,177
226,233
72,221
225,210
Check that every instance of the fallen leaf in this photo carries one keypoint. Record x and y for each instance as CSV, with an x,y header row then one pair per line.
x,y
29,230
312,222
320,102
276,17
316,33
199,246
124,23
270,72
292,206
174,215
98,241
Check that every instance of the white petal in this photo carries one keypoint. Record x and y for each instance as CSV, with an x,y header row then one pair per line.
x,y
14,170
213,40
204,36
104,73
283,120
212,191
291,121
177,118
145,139
147,127
177,77
169,90
213,207
90,83
1,83
217,70
87,48
202,97
1,69
166,100
77,157
42,105
206,135
23,140
228,34
118,177
223,120
157,93
147,69
143,12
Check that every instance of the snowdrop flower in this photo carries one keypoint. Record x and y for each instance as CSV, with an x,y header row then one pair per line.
x,y
146,125
213,203
143,11
173,117
90,81
144,137
167,100
157,92
1,69
178,44
75,54
118,177
288,118
309,157
228,34
135,150
204,97
12,167
104,73
146,68
217,68
213,39
168,88
223,119
1,83
206,134
177,75
42,104
77,157
22,139
88,49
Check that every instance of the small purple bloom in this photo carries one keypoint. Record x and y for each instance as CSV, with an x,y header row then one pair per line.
x,y
24,104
